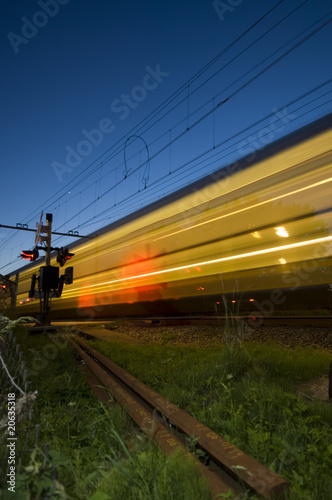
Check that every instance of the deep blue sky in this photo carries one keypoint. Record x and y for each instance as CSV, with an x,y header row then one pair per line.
x,y
71,75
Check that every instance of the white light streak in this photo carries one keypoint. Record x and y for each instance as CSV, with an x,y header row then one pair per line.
x,y
209,262
296,191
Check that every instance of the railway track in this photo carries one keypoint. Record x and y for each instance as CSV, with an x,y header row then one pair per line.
x,y
226,468
255,320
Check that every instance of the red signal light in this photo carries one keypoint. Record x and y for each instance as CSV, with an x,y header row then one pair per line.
x,y
30,254
63,256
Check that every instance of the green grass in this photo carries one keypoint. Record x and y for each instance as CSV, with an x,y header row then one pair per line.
x,y
245,392
289,366
149,474
98,453
248,395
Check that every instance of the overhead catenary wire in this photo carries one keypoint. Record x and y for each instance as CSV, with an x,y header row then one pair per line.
x,y
187,84
260,121
166,101
220,103
287,105
238,90
164,105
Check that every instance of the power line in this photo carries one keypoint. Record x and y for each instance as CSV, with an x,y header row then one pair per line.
x,y
246,129
173,96
116,148
238,90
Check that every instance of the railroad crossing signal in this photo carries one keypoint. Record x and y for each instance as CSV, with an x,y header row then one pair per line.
x,y
48,285
38,238
49,281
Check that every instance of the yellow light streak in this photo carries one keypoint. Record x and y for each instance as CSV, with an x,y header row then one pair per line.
x,y
214,261
300,190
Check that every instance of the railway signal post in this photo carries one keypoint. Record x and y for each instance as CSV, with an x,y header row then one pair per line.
x,y
48,275
49,281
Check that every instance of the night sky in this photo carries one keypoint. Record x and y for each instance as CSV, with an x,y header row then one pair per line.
x,y
107,106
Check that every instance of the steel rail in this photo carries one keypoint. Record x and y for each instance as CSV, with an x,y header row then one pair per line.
x,y
234,461
150,422
267,320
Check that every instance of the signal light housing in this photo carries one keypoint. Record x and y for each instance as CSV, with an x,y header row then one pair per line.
x,y
69,275
48,278
30,254
63,256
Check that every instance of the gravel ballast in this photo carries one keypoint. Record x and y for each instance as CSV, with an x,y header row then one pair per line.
x,y
209,335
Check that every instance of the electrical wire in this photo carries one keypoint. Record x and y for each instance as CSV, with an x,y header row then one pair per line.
x,y
190,82
172,97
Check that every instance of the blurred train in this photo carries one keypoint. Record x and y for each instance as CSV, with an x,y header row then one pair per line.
x,y
257,232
